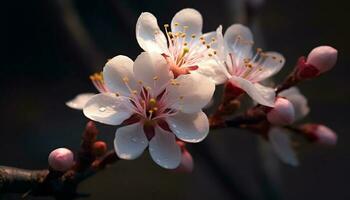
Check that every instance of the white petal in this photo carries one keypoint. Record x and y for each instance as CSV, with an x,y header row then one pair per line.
x,y
164,150
116,71
261,94
212,69
281,144
298,100
130,141
79,101
220,45
191,93
239,40
188,17
107,108
152,69
189,127
269,64
148,34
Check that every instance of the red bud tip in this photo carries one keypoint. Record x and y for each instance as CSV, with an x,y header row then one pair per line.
x,y
99,148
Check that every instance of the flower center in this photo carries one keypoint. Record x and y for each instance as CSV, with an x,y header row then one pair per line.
x,y
149,104
186,51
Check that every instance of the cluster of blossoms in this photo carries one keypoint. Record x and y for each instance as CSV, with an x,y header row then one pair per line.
x,y
158,98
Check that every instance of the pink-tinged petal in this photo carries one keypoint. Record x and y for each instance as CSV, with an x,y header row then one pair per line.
x,y
153,70
79,101
269,64
118,75
187,17
261,94
282,146
130,141
189,127
298,100
191,92
148,34
107,108
239,40
164,150
214,70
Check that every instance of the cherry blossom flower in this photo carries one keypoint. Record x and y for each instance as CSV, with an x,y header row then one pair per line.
x,y
154,107
279,137
183,44
244,69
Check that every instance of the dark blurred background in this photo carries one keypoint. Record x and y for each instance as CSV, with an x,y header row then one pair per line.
x,y
50,48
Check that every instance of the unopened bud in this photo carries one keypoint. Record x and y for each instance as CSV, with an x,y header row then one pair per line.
x,y
320,134
186,164
61,159
282,113
322,58
99,148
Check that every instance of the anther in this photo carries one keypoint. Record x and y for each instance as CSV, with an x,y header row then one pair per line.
x,y
193,36
155,78
166,25
126,79
176,24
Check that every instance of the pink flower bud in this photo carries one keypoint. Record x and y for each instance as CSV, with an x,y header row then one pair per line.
x,y
323,58
282,113
61,159
99,148
320,134
186,164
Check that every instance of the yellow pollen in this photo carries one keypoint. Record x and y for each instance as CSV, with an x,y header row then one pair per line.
x,y
148,88
166,25
186,50
201,38
176,24
126,79
185,27
155,78
193,35
150,111
208,46
183,35
134,92
152,102
155,108
210,55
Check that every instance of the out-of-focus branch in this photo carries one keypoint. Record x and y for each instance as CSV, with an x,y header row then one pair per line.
x,y
68,21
